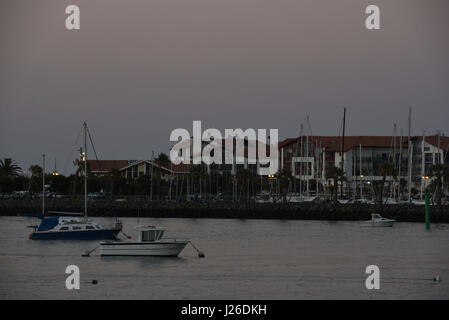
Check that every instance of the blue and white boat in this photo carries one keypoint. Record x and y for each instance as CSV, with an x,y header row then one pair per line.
x,y
70,226
73,228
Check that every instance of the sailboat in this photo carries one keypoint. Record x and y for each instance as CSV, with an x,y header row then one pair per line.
x,y
70,226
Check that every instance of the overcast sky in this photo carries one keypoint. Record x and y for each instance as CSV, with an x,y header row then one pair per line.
x,y
139,69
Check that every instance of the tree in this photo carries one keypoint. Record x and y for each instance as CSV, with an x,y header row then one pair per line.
x,y
336,175
9,167
285,177
116,180
438,172
163,161
197,173
385,169
244,178
35,178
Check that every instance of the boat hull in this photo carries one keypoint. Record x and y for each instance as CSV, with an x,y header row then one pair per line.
x,y
159,249
105,234
377,224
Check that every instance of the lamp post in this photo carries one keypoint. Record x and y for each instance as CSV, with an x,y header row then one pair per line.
x,y
424,185
361,186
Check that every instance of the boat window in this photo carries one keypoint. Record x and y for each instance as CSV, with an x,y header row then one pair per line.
x,y
76,228
148,235
90,228
64,228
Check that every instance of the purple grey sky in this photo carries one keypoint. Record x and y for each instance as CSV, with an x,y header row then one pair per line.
x,y
139,69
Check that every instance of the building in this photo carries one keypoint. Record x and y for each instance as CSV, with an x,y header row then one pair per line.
x,y
310,158
135,168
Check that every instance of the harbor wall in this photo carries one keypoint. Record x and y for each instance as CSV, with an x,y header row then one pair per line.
x,y
224,210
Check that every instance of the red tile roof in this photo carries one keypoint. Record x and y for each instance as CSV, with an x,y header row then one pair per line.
x,y
333,143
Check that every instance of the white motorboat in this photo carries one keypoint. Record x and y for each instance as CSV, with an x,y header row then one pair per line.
x,y
150,243
378,221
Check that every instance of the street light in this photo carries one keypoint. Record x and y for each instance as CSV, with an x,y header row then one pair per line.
x,y
361,186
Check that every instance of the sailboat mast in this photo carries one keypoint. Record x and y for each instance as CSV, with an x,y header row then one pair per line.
x,y
43,184
400,166
85,169
410,154
343,150
307,156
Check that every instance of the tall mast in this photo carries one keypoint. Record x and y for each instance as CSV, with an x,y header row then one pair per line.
x,y
400,165
410,154
85,169
393,190
43,184
152,171
423,171
307,155
301,166
360,171
343,150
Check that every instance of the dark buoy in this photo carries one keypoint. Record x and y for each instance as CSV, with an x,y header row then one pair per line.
x,y
200,253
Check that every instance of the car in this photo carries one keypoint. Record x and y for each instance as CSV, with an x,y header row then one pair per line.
x,y
95,195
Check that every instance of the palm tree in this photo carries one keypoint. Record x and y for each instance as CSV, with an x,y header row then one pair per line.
x,y
79,165
438,172
197,171
385,169
116,179
285,177
9,167
163,161
36,171
336,174
244,177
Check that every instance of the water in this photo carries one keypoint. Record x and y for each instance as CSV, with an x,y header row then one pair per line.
x,y
245,259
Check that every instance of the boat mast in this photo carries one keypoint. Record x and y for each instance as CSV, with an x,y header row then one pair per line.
x,y
410,149
423,171
360,170
307,156
85,169
393,191
343,150
43,184
400,166
301,166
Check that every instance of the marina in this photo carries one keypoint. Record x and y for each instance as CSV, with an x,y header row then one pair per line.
x,y
267,259
224,150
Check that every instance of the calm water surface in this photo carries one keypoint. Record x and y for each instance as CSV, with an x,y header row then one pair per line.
x,y
245,259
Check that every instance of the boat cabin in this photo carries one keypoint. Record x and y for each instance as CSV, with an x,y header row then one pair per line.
x,y
375,216
150,233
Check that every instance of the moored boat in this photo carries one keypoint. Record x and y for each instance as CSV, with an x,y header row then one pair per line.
x,y
378,221
73,228
69,226
150,243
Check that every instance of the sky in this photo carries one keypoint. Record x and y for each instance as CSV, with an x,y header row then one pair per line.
x,y
136,70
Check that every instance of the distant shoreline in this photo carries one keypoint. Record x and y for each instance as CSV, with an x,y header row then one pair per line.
x,y
223,210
